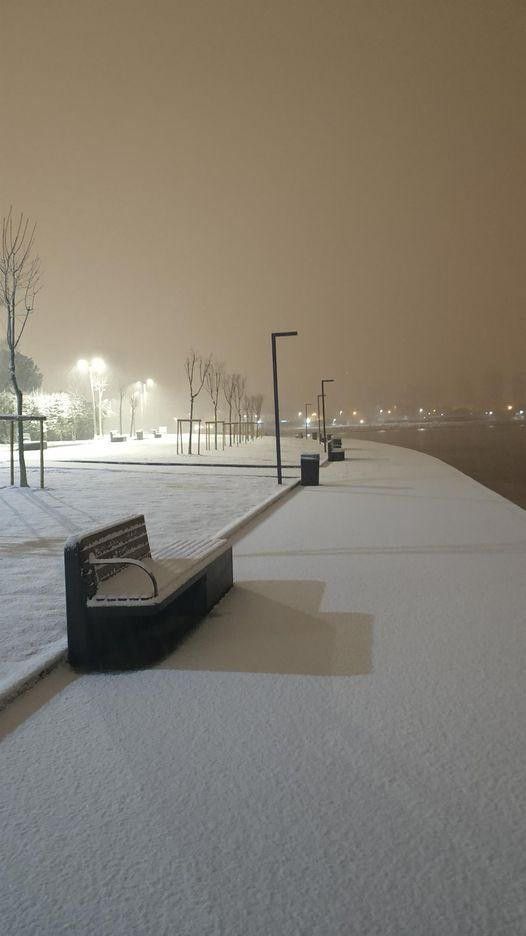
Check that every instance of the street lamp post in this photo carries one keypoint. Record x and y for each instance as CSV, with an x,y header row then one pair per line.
x,y
142,387
324,381
94,408
319,417
276,397
307,418
95,370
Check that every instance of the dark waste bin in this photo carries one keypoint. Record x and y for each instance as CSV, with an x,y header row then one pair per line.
x,y
139,435
334,452
310,469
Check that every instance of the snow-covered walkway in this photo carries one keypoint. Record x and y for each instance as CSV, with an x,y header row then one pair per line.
x,y
339,749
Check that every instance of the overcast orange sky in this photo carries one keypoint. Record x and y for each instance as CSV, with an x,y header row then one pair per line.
x,y
205,172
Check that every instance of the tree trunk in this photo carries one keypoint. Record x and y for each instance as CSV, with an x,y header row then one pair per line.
x,y
215,426
20,424
120,412
191,425
100,412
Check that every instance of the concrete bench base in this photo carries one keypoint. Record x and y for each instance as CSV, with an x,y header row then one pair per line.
x,y
33,446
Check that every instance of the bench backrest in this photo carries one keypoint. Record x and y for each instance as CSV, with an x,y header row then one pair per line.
x,y
127,539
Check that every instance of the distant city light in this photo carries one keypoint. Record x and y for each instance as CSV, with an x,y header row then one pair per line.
x,y
362,421
509,407
354,413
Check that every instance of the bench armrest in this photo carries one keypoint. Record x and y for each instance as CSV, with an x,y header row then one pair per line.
x,y
94,562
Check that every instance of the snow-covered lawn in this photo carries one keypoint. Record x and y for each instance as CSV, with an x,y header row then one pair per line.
x,y
34,524
259,452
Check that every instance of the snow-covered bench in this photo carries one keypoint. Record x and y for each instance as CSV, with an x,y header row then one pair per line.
x,y
125,608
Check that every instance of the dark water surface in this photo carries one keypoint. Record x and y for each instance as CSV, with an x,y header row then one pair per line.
x,y
494,454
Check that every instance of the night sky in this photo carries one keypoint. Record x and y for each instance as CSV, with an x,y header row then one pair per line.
x,y
203,173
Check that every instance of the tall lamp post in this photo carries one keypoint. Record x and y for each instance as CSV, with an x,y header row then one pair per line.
x,y
307,417
276,397
319,417
324,381
95,369
143,386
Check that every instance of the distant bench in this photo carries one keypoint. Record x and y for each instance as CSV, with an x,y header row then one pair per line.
x,y
31,444
124,608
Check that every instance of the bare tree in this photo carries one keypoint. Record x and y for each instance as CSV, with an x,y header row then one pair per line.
x,y
19,285
122,397
257,402
214,382
196,368
228,392
123,385
240,383
247,410
133,400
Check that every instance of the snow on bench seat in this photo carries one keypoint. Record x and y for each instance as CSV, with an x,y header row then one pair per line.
x,y
171,572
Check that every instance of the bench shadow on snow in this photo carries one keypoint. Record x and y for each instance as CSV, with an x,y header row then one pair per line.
x,y
277,627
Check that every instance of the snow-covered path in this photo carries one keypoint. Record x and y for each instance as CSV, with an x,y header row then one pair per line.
x,y
178,502
339,748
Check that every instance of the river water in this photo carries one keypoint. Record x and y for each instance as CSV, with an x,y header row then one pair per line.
x,y
492,453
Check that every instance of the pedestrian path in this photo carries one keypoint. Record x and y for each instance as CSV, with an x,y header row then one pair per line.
x,y
338,749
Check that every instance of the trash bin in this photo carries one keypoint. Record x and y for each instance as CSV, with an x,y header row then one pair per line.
x,y
139,435
310,469
334,452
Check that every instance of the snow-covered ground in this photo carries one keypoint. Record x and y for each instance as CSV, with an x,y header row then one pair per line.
x,y
259,452
177,501
338,750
